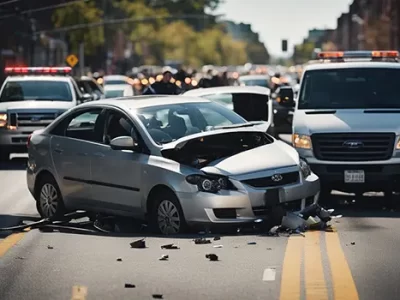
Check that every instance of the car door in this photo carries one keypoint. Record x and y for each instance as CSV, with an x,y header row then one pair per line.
x,y
70,146
117,175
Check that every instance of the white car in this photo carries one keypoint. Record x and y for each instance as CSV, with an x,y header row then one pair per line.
x,y
118,90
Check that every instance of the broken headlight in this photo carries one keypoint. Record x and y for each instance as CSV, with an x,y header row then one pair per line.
x,y
304,168
210,184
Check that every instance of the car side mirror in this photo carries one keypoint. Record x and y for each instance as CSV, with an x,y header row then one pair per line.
x,y
87,97
286,97
124,143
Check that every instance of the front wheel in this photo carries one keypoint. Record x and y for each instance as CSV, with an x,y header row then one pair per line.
x,y
167,215
49,202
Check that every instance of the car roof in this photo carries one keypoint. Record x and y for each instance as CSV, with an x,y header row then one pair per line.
x,y
134,102
254,76
229,90
116,87
39,78
353,64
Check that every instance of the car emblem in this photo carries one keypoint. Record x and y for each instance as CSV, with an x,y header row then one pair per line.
x,y
353,144
276,177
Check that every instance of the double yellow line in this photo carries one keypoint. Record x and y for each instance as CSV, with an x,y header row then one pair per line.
x,y
303,256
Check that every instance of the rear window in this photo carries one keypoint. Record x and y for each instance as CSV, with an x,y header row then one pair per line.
x,y
114,93
352,88
114,82
255,82
39,90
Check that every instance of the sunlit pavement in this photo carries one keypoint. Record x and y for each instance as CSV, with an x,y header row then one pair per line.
x,y
359,261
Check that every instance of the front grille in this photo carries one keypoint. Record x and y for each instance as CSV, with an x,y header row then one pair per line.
x,y
32,119
353,146
287,178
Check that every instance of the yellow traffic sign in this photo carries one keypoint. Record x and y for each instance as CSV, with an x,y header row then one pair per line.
x,y
72,60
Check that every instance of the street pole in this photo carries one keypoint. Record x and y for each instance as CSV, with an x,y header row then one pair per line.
x,y
105,19
82,59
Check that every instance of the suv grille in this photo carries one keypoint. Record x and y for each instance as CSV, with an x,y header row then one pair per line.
x,y
287,178
32,119
353,146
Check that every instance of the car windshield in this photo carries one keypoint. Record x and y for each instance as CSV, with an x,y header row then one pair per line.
x,y
255,82
355,88
114,93
115,81
166,123
39,90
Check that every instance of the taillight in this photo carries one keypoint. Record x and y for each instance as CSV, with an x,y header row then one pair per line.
x,y
28,142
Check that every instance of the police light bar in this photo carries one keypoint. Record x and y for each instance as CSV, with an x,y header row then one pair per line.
x,y
341,55
38,71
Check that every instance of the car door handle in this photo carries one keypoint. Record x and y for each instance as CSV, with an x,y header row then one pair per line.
x,y
59,151
82,154
98,154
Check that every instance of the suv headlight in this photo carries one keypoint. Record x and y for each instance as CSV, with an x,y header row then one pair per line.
x,y
3,119
304,168
301,141
210,183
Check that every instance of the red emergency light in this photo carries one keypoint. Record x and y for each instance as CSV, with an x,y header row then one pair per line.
x,y
38,71
382,54
330,54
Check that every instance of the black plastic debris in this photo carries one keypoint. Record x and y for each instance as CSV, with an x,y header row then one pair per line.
x,y
158,296
212,257
201,241
20,257
139,244
251,243
353,243
129,286
119,259
269,248
50,247
217,238
164,257
169,246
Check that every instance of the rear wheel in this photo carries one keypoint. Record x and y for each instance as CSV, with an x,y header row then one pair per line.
x,y
49,202
167,216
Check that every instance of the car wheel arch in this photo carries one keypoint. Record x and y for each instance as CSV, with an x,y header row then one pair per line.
x,y
156,190
43,173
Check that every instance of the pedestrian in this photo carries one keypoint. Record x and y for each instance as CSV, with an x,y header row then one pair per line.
x,y
163,87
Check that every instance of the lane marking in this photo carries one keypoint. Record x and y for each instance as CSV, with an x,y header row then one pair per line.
x,y
344,287
10,241
79,292
315,284
269,274
291,271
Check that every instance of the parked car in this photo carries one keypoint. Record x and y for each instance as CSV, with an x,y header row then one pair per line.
x,y
174,160
118,90
90,86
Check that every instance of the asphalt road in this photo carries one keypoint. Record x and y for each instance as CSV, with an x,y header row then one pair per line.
x,y
358,261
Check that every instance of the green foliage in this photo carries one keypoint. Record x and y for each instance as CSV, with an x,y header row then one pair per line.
x,y
81,13
157,36
303,52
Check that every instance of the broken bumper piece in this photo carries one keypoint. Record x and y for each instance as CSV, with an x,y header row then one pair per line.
x,y
247,204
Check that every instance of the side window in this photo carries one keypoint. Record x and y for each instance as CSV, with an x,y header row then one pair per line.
x,y
214,118
85,126
117,125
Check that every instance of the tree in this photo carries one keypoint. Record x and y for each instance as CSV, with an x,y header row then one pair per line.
x,y
303,52
84,12
377,33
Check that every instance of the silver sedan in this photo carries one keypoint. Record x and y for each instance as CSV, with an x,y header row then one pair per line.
x,y
173,160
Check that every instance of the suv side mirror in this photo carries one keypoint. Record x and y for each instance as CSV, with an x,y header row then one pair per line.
x,y
286,96
87,97
124,143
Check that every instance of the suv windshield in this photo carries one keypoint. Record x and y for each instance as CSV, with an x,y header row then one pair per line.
x,y
166,123
352,88
39,90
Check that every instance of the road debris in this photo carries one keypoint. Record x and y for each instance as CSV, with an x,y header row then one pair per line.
x,y
169,246
217,238
353,243
119,259
217,246
212,257
20,257
251,243
139,244
129,286
201,241
269,248
164,257
50,247
158,296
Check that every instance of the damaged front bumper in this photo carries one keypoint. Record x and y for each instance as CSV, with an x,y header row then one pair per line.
x,y
247,203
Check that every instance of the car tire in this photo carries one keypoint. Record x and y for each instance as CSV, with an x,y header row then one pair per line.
x,y
49,201
167,215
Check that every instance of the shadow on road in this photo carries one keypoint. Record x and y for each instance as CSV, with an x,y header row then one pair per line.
x,y
17,163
